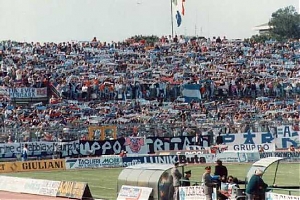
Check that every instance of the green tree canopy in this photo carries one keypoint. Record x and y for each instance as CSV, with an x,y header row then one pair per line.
x,y
285,24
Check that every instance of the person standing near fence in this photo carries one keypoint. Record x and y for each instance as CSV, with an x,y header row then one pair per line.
x,y
176,176
256,187
208,184
25,153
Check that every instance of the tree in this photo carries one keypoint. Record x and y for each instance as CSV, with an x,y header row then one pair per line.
x,y
285,24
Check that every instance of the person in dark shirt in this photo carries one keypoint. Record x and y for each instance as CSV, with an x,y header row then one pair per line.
x,y
219,139
221,170
186,178
256,187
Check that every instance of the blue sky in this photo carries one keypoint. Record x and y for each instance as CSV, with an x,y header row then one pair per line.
x,y
115,20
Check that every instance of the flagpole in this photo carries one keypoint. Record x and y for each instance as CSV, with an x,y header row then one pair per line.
x,y
172,26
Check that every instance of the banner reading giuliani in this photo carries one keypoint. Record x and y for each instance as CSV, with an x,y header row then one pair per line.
x,y
38,165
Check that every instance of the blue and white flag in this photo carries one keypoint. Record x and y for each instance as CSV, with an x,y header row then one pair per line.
x,y
178,10
191,92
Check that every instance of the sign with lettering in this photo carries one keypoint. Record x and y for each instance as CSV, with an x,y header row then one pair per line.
x,y
98,162
98,148
194,193
41,187
11,150
41,165
267,147
134,193
283,140
156,144
26,92
128,161
275,196
71,189
191,159
290,156
286,136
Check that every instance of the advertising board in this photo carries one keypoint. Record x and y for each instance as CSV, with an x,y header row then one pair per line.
x,y
97,162
194,193
134,193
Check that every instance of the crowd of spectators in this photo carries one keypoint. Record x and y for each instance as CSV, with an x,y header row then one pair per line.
x,y
138,86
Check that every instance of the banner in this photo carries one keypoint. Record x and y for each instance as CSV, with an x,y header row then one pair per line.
x,y
194,193
150,145
29,186
129,161
74,190
274,196
37,149
282,140
102,132
98,162
136,145
192,159
289,156
156,144
267,147
8,167
134,193
26,92
98,148
41,165
41,187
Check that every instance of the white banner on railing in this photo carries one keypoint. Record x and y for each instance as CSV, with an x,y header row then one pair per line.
x,y
275,196
11,150
267,147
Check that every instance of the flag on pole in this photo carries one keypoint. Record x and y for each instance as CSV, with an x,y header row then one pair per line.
x,y
178,10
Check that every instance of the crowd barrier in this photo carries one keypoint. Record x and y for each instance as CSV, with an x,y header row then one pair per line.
x,y
68,189
188,157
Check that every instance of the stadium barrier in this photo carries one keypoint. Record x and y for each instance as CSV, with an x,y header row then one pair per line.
x,y
68,189
37,165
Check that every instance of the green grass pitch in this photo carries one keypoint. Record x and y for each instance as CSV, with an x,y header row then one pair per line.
x,y
103,182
